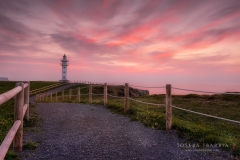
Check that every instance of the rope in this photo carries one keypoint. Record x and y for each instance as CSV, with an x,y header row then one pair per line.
x,y
84,94
229,120
147,87
147,102
97,94
114,96
205,91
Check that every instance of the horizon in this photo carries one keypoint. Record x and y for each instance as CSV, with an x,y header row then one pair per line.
x,y
188,44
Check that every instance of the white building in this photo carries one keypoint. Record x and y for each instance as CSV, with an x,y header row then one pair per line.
x,y
64,68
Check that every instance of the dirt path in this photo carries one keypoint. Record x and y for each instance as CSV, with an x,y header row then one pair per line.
x,y
79,131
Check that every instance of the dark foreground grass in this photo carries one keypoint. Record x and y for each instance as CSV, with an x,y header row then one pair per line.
x,y
190,126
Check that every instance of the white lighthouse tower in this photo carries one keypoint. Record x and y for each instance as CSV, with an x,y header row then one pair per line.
x,y
64,68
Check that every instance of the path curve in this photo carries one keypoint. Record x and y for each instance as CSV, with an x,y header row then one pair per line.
x,y
79,131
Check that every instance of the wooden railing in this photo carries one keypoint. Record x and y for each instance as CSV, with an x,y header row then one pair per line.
x,y
21,109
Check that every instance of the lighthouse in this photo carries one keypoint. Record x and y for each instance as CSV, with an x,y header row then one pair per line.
x,y
64,65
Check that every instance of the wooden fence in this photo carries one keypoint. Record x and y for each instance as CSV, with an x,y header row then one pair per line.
x,y
21,110
168,103
44,96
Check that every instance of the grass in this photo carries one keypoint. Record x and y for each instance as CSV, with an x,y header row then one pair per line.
x,y
6,86
11,155
191,127
35,85
40,84
30,145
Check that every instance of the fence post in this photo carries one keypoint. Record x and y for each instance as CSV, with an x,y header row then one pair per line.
x,y
90,94
56,96
51,96
126,100
168,107
26,100
62,95
78,94
18,115
70,94
105,94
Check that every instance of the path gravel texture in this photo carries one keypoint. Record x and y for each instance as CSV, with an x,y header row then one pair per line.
x,y
79,131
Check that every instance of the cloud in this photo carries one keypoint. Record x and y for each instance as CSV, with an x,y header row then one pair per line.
x,y
117,36
13,28
229,10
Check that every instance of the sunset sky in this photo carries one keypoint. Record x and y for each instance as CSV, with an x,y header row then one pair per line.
x,y
193,44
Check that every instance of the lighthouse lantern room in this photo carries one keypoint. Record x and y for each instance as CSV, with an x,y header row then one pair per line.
x,y
64,65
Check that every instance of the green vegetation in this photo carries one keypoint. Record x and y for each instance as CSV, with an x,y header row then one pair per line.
x,y
39,87
6,86
30,145
40,84
11,155
189,126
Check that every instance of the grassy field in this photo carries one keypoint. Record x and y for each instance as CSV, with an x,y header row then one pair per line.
x,y
190,126
7,108
40,84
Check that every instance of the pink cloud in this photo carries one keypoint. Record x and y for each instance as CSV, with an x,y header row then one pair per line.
x,y
147,42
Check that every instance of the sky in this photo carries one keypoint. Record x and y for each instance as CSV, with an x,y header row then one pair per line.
x,y
189,44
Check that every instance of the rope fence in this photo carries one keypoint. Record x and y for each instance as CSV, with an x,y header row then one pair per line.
x,y
205,91
126,98
207,115
114,96
147,102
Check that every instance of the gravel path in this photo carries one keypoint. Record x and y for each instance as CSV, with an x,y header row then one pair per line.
x,y
79,131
